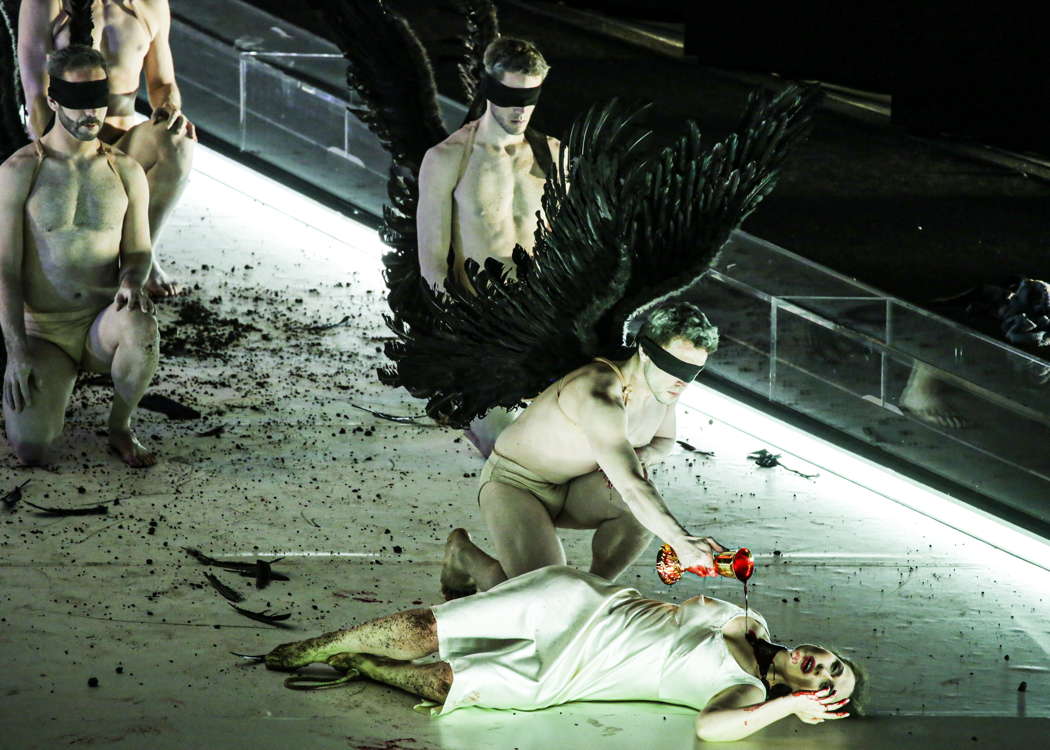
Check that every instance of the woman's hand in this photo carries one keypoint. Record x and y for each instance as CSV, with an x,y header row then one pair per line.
x,y
816,706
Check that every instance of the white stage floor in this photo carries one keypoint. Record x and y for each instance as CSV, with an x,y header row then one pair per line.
x,y
948,625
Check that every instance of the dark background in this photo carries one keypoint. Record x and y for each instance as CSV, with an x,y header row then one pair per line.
x,y
863,195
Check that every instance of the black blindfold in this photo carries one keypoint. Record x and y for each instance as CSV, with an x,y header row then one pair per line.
x,y
505,96
80,94
663,359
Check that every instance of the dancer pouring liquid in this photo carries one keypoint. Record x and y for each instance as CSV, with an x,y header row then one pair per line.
x,y
639,225
557,635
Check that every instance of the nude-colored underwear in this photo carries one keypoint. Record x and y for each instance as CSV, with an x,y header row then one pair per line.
x,y
500,469
66,330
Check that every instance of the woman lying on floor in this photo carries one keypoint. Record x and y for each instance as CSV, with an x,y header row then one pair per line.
x,y
557,635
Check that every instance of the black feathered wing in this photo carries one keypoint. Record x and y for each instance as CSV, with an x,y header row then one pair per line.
x,y
687,201
482,29
12,100
513,337
389,70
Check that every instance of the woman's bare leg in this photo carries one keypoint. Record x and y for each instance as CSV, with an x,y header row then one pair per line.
x,y
404,636
431,681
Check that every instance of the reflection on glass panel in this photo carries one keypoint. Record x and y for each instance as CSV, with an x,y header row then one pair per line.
x,y
304,129
810,349
743,325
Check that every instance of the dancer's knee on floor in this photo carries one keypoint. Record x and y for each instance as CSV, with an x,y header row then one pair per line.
x,y
32,452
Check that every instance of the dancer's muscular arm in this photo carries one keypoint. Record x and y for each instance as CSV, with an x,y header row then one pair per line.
x,y
662,444
602,416
437,181
136,255
16,174
34,44
163,92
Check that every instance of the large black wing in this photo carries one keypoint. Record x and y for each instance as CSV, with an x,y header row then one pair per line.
x,y
688,201
514,337
482,29
389,70
12,100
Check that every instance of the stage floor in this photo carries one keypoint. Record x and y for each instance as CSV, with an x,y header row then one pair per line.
x,y
948,625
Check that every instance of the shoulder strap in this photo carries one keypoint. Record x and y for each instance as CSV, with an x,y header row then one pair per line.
x,y
625,387
111,159
541,150
38,147
467,150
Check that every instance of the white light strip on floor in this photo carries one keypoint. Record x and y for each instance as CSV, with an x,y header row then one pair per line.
x,y
836,460
830,457
290,202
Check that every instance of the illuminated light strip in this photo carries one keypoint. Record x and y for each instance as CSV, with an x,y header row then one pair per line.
x,y
829,457
834,459
300,553
287,201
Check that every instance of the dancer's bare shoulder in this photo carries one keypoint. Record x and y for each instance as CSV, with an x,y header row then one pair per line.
x,y
15,175
592,383
441,161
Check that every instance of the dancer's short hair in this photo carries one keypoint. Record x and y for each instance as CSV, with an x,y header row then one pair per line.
x,y
510,55
74,57
681,320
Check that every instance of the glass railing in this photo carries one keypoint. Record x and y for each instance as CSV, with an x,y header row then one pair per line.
x,y
279,94
922,388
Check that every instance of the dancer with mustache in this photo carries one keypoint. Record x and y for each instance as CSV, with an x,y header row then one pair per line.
x,y
75,257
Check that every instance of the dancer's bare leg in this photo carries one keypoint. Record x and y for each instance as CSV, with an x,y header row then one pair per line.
x,y
430,681
618,536
166,155
406,635
126,344
466,568
521,529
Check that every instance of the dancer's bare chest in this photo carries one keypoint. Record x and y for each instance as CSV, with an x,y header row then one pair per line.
x,y
498,196
71,203
120,33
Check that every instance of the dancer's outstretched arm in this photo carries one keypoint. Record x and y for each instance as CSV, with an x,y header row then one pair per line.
x,y
740,711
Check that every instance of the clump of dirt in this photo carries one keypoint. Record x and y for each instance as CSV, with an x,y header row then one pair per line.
x,y
201,332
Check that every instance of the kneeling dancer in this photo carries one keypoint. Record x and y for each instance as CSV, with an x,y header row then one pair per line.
x,y
576,458
557,635
75,257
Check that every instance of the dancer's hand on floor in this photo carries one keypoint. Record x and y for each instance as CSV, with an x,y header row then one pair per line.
x,y
817,706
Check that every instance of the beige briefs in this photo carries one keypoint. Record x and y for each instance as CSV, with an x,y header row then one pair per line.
x,y
66,330
503,470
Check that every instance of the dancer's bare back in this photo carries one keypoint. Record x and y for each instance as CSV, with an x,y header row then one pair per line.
x,y
564,436
482,202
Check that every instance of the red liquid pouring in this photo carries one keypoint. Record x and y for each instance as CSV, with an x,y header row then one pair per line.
x,y
730,564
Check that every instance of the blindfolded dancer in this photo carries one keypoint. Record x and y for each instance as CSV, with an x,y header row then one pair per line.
x,y
133,37
480,188
74,261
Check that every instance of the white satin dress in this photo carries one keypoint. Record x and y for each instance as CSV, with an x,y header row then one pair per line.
x,y
558,634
